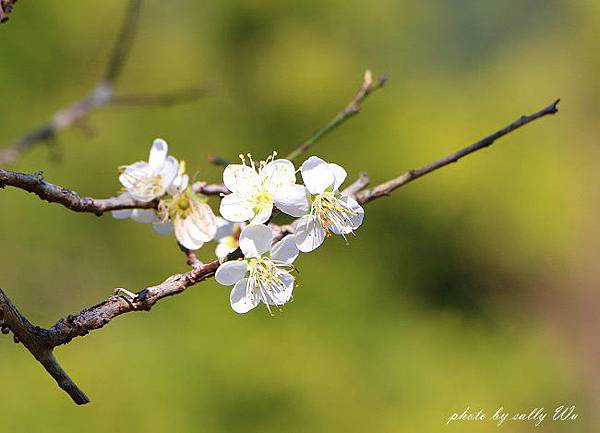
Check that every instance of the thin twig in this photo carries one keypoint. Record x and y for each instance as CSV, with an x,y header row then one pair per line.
x,y
102,94
124,41
367,87
192,259
386,188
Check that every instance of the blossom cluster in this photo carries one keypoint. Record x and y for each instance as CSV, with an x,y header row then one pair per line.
x,y
257,189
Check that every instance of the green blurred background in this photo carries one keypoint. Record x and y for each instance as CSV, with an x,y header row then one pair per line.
x,y
474,286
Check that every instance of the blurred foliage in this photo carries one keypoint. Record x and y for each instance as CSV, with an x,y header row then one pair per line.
x,y
433,306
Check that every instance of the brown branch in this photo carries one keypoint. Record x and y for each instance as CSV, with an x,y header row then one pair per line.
x,y
192,259
52,193
37,341
101,95
386,188
367,87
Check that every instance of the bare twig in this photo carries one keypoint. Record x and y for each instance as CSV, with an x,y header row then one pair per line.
x,y
37,341
102,94
71,200
192,259
386,188
6,7
367,87
362,182
124,41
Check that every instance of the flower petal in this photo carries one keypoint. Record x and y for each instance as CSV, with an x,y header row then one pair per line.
x,y
163,228
144,216
224,248
284,296
231,272
184,237
236,208
263,215
355,219
317,175
158,154
339,174
168,172
256,240
122,214
285,250
240,179
241,299
224,228
292,200
309,234
277,174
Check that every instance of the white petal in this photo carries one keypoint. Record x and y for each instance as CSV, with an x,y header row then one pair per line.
x,y
134,172
277,174
231,272
163,228
309,234
122,214
263,215
236,208
355,219
168,172
241,300
224,228
316,175
256,240
280,298
292,200
180,183
183,236
144,216
201,227
339,174
240,179
158,154
224,248
285,250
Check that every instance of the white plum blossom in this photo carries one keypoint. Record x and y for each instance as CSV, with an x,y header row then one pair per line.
x,y
253,188
187,213
227,237
146,181
319,204
263,273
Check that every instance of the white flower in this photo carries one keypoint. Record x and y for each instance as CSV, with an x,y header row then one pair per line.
x,y
263,273
146,181
144,216
322,208
227,236
190,216
252,188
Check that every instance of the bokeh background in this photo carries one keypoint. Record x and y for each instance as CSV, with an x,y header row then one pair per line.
x,y
473,287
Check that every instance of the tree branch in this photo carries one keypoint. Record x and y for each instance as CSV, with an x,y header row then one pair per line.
x,y
52,193
36,340
386,188
6,7
102,94
367,87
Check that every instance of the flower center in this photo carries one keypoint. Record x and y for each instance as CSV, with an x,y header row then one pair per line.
x,y
333,213
146,185
265,281
263,199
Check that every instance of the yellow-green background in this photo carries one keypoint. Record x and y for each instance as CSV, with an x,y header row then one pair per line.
x,y
475,286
